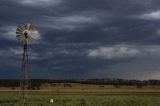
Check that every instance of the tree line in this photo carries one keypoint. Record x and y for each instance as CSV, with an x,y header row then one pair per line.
x,y
115,82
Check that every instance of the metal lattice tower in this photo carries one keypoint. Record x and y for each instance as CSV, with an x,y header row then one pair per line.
x,y
26,34
24,75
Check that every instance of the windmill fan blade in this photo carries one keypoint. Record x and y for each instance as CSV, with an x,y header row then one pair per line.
x,y
26,33
28,26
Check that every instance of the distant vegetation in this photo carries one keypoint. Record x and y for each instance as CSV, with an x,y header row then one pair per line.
x,y
117,83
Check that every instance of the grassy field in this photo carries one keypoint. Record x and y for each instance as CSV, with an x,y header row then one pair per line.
x,y
87,97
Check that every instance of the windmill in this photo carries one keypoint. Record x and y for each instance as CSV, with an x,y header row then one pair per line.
x,y
26,34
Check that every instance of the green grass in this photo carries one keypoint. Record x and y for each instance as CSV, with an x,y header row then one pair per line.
x,y
83,98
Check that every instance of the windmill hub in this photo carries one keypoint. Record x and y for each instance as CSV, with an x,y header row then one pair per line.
x,y
26,34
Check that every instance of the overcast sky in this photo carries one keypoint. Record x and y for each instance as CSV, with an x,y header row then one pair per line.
x,y
82,39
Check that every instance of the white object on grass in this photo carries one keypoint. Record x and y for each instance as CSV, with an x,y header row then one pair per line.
x,y
51,101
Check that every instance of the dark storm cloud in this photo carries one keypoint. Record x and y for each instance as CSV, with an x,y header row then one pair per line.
x,y
82,38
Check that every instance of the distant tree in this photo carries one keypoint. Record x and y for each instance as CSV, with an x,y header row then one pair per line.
x,y
13,88
101,86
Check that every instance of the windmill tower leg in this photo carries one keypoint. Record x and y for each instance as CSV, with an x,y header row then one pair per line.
x,y
24,78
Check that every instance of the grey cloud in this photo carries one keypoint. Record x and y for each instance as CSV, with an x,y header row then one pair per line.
x,y
139,69
125,51
8,32
40,2
16,53
155,15
71,22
